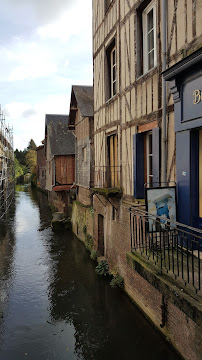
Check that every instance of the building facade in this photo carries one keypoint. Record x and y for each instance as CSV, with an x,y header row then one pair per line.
x,y
81,119
60,160
140,141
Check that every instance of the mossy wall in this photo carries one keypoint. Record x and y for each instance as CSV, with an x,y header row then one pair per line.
x,y
82,221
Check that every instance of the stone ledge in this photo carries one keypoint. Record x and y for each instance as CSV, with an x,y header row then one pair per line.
x,y
108,192
187,302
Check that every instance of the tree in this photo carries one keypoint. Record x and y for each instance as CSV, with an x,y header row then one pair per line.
x,y
31,160
20,156
18,168
31,145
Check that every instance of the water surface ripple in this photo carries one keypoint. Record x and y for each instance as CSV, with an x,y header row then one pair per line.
x,y
52,303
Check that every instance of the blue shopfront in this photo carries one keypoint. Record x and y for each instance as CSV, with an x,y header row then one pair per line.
x,y
185,79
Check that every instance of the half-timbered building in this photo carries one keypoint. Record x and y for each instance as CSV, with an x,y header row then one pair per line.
x,y
138,134
60,160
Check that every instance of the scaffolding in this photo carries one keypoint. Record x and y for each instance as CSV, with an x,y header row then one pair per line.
x,y
7,175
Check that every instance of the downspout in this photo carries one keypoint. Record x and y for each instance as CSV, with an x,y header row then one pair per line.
x,y
164,50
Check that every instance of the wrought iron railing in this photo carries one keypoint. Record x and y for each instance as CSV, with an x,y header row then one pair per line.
x,y
176,249
107,176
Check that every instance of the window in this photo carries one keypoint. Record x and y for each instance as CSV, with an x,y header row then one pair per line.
x,y
112,160
149,36
146,160
111,71
149,159
146,37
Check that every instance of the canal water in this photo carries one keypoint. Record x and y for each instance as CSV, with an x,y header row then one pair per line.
x,y
52,303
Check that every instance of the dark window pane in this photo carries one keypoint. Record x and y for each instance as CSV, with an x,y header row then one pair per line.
x,y
113,57
150,143
114,73
150,20
150,40
114,88
151,60
150,165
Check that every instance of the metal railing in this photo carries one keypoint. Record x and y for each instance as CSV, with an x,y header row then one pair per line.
x,y
176,249
107,176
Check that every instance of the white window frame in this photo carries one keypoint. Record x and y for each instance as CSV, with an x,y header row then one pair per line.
x,y
148,156
145,13
113,66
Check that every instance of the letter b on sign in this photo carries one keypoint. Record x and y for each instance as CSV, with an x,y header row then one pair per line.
x,y
197,96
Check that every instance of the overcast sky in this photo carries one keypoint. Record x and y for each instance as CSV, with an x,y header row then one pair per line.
x,y
45,46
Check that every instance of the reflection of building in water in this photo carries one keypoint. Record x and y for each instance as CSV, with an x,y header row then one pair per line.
x,y
7,246
6,166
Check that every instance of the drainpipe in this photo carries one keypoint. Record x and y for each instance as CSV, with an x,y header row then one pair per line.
x,y
164,92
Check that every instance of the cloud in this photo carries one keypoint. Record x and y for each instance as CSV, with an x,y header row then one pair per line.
x,y
44,10
39,63
28,113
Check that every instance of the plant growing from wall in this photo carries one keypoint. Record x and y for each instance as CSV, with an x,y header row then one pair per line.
x,y
102,268
117,281
93,254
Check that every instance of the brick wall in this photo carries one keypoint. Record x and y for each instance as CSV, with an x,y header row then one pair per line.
x,y
183,332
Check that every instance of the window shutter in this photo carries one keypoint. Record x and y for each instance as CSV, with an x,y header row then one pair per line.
x,y
156,155
138,165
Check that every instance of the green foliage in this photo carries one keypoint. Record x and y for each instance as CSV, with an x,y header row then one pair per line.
x,y
20,170
89,240
31,145
93,254
117,281
102,268
91,211
25,161
20,156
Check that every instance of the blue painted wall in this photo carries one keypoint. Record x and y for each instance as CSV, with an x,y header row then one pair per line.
x,y
183,167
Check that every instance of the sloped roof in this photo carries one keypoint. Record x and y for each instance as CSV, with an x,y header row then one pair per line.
x,y
62,140
84,98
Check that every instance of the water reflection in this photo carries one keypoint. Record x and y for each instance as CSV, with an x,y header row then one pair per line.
x,y
57,307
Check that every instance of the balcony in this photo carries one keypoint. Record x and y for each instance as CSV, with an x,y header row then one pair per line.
x,y
173,248
107,180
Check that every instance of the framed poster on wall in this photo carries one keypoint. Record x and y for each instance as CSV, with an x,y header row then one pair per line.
x,y
161,203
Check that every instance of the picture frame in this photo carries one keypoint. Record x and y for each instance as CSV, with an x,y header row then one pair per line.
x,y
161,204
